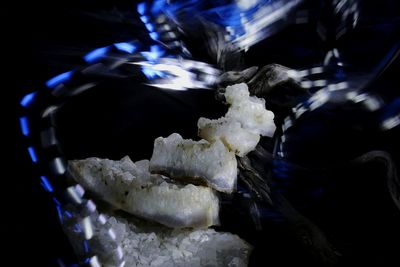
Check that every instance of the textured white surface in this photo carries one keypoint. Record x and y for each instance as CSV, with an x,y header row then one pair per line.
x,y
211,163
130,186
230,132
245,121
249,111
236,93
145,244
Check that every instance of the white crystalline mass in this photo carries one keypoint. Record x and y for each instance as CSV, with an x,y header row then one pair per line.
x,y
230,132
249,110
181,247
236,93
242,125
130,186
210,159
211,163
152,245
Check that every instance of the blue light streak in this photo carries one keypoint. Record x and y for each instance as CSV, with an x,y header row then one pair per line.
x,y
155,36
56,201
68,214
149,27
172,8
145,19
77,228
86,246
27,99
155,53
245,22
24,125
32,153
96,54
151,74
125,47
53,82
158,6
141,8
46,184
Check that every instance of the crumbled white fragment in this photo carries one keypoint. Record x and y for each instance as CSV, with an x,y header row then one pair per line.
x,y
212,163
131,187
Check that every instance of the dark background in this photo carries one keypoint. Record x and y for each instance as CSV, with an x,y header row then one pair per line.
x,y
47,39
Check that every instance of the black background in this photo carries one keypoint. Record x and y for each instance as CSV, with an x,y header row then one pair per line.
x,y
46,39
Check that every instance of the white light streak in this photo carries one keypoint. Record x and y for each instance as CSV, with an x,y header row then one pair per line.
x,y
257,29
87,227
181,74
